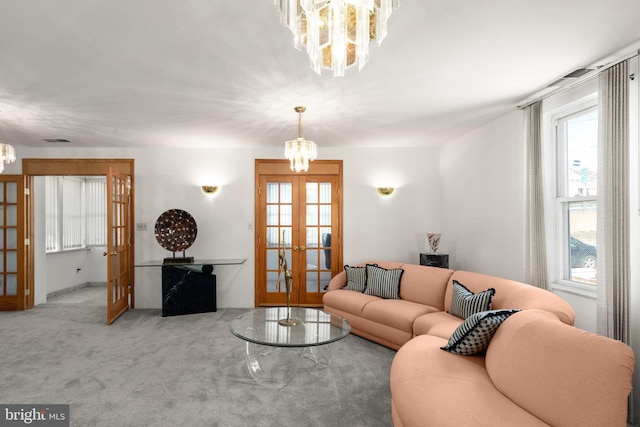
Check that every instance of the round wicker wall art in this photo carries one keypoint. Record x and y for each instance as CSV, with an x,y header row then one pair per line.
x,y
176,230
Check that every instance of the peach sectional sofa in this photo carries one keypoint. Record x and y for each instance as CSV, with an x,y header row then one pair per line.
x,y
537,370
425,299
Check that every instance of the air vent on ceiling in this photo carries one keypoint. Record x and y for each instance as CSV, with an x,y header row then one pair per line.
x,y
55,140
578,73
568,78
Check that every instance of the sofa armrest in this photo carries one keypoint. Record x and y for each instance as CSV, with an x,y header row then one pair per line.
x,y
338,281
561,374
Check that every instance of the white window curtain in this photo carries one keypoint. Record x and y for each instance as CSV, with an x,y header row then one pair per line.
x,y
73,224
52,219
535,244
76,215
613,213
96,211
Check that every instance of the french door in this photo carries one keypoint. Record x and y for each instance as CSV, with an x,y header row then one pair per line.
x,y
118,243
14,294
301,214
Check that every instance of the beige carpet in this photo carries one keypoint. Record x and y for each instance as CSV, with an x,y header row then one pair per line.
x,y
146,370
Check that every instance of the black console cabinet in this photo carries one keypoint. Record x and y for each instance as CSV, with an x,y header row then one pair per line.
x,y
435,260
187,290
189,287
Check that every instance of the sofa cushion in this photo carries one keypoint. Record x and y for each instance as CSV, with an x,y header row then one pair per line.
x,y
356,278
512,294
464,303
425,285
382,282
440,324
396,313
347,301
544,366
475,333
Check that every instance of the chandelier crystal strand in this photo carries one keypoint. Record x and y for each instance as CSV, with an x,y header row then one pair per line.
x,y
336,33
7,155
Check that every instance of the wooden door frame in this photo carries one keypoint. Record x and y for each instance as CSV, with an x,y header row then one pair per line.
x,y
282,167
19,301
71,167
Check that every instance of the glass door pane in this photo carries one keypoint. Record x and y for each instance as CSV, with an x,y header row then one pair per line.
x,y
318,222
279,229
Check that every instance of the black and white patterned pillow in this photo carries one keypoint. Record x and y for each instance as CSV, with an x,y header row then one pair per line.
x,y
356,278
464,303
475,333
382,282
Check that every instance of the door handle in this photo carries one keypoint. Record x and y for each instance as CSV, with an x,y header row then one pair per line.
x,y
302,248
295,248
112,254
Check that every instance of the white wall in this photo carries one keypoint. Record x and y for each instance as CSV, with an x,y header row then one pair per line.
x,y
375,228
482,193
392,228
482,184
634,191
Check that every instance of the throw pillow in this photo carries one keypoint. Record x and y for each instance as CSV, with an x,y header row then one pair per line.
x,y
464,303
475,333
356,278
382,282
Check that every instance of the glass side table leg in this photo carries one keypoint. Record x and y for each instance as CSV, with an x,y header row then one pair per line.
x,y
272,367
321,355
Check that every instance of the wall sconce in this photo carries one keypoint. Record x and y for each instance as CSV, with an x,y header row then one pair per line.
x,y
209,189
385,191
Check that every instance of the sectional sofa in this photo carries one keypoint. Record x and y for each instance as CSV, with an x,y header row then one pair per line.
x,y
516,361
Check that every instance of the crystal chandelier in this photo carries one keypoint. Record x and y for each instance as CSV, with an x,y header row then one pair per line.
x,y
7,155
300,151
336,33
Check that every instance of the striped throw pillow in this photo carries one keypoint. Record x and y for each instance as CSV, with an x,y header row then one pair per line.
x,y
356,278
383,283
474,334
464,303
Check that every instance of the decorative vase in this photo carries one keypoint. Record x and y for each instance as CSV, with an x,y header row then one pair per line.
x,y
434,242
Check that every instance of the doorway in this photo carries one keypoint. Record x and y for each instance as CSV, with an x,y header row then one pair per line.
x,y
120,207
300,214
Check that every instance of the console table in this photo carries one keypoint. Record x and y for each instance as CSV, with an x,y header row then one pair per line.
x,y
189,288
435,260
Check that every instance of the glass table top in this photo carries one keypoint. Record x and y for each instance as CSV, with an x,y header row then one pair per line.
x,y
198,262
314,327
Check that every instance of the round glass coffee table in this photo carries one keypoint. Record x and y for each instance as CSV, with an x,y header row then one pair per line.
x,y
274,351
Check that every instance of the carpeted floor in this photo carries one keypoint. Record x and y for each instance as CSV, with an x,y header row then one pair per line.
x,y
146,370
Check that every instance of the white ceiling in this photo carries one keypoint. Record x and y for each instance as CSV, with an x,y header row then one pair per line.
x,y
209,73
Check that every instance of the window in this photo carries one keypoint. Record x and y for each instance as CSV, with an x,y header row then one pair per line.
x,y
576,196
75,216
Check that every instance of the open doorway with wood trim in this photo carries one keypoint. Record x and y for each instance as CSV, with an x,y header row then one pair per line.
x,y
120,216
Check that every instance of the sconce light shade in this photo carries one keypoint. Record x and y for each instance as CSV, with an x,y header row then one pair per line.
x,y
209,189
385,191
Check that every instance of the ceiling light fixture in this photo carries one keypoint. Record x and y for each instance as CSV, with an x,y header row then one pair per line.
x,y
300,151
7,155
336,33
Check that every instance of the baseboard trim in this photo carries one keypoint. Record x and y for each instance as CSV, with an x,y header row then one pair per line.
x,y
75,288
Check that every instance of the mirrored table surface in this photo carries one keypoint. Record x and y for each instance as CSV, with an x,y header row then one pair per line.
x,y
313,327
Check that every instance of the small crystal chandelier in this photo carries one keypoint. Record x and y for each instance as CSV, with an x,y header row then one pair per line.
x,y
300,151
7,155
336,33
